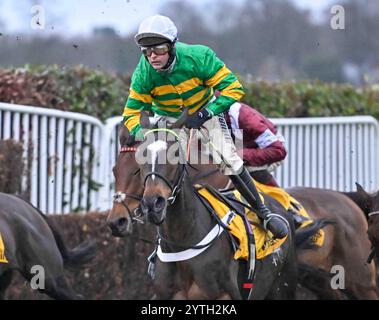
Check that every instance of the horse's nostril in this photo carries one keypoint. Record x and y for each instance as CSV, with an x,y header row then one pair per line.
x,y
121,222
159,203
152,204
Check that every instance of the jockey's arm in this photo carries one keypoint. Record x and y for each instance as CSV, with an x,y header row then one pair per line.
x,y
139,99
257,157
215,74
267,148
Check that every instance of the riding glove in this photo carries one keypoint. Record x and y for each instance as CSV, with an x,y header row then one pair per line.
x,y
196,120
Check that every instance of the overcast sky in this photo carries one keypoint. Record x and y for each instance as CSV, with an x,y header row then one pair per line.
x,y
71,17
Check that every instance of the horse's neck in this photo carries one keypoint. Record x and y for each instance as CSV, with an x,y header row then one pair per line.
x,y
187,220
210,176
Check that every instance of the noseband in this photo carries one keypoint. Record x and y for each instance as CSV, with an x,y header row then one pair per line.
x,y
177,185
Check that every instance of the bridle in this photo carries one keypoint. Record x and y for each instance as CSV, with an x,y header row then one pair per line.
x,y
175,188
181,171
120,196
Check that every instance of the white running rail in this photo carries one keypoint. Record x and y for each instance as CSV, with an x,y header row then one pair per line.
x,y
63,148
72,155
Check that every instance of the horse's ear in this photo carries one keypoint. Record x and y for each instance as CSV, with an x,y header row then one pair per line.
x,y
145,121
362,191
125,138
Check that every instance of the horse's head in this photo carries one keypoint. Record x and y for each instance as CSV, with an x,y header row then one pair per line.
x,y
162,165
127,185
371,209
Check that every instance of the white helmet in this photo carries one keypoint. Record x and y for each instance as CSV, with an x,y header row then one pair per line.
x,y
156,30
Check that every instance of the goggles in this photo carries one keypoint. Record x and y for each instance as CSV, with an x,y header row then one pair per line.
x,y
158,50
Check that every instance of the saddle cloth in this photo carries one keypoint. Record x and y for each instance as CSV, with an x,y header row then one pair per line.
x,y
264,242
290,203
3,259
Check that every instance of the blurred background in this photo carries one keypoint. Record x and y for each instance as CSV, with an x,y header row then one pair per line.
x,y
269,40
78,56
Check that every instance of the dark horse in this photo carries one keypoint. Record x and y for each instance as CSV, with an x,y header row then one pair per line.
x,y
129,189
125,210
170,203
346,243
32,240
369,203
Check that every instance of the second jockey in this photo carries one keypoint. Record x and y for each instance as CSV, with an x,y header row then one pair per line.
x,y
263,148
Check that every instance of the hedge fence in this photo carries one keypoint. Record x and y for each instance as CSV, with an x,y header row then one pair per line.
x,y
103,94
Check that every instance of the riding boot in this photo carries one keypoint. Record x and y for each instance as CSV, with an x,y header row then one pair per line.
x,y
245,185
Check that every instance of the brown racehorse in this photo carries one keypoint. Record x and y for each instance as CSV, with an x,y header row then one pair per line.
x,y
32,240
369,203
345,242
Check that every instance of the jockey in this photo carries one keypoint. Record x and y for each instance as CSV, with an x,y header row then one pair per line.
x,y
263,147
172,76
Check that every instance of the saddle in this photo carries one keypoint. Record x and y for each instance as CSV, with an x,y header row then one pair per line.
x,y
300,215
222,203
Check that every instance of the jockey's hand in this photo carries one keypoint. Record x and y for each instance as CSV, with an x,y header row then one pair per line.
x,y
196,120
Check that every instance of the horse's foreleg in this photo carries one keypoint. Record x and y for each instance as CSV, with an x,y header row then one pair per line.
x,y
166,282
233,284
58,288
364,293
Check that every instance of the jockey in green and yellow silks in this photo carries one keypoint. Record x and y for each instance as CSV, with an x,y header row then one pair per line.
x,y
172,76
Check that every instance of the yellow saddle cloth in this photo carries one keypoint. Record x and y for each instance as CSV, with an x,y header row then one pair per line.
x,y
289,202
264,241
3,259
